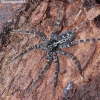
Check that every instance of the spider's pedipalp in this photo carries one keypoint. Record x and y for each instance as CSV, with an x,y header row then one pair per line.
x,y
38,46
43,38
74,60
32,83
85,40
55,58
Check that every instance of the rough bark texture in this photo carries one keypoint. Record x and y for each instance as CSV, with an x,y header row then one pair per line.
x,y
42,15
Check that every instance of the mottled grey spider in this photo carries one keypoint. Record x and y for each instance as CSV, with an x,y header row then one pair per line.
x,y
54,46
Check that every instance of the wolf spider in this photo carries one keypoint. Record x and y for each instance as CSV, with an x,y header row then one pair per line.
x,y
54,46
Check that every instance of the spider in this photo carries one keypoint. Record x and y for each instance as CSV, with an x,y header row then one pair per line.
x,y
54,46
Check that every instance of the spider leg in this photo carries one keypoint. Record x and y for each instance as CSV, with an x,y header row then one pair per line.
x,y
58,18
74,60
67,45
38,46
57,22
32,83
85,40
77,27
31,32
55,58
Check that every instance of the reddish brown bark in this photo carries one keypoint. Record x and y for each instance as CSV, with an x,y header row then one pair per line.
x,y
16,76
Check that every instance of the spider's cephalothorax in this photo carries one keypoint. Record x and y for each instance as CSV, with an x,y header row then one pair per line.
x,y
54,46
55,43
50,46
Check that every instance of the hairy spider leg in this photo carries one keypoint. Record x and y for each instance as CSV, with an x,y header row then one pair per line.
x,y
67,45
74,60
32,83
58,18
38,46
77,27
57,22
56,61
43,38
85,40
